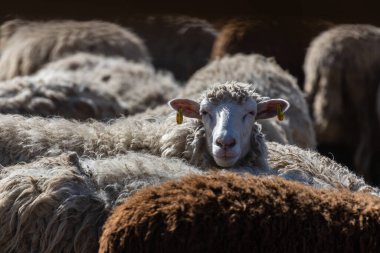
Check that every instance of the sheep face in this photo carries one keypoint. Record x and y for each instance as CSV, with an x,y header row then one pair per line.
x,y
228,128
229,124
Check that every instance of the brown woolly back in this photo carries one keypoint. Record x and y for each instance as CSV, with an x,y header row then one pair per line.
x,y
230,213
286,39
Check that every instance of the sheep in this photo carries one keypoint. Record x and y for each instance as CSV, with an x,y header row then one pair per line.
x,y
270,80
178,43
33,96
225,212
27,45
342,68
59,204
209,142
137,86
284,38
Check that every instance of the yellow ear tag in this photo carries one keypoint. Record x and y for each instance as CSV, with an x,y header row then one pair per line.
x,y
180,116
280,114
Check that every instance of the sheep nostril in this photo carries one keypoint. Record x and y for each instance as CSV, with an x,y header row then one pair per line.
x,y
225,142
232,143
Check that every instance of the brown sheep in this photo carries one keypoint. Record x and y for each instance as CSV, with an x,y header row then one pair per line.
x,y
342,69
231,213
180,44
286,39
27,45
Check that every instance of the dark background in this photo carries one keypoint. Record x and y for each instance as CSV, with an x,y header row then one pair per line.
x,y
336,10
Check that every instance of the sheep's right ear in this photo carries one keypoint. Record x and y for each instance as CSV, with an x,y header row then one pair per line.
x,y
189,107
268,108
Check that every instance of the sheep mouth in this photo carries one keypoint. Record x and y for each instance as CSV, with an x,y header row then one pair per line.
x,y
225,156
225,159
225,153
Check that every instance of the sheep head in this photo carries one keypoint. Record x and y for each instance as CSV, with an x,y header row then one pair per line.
x,y
228,113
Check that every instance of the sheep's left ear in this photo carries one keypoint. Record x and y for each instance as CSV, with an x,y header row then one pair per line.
x,y
189,107
268,108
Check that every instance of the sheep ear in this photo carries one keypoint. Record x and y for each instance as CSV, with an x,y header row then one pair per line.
x,y
190,108
268,108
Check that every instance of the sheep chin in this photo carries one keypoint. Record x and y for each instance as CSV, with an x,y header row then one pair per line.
x,y
226,162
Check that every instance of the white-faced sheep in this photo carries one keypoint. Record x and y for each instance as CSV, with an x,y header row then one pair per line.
x,y
59,204
342,69
284,38
34,96
180,44
27,45
209,142
270,80
230,213
136,86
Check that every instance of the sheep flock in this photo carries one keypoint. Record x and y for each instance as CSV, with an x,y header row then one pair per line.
x,y
170,133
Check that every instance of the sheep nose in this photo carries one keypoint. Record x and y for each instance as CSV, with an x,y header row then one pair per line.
x,y
225,142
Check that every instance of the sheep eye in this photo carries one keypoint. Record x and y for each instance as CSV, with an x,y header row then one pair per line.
x,y
252,113
204,112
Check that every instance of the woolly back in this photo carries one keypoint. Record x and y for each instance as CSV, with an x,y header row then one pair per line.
x,y
224,212
28,45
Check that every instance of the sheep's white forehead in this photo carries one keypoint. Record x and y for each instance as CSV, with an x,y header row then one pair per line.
x,y
235,91
249,102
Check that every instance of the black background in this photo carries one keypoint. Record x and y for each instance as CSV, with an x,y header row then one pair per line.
x,y
337,10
